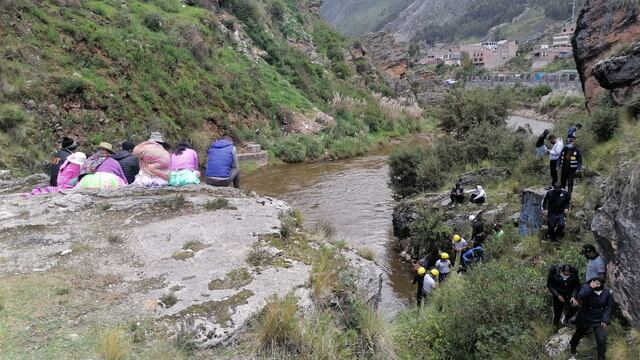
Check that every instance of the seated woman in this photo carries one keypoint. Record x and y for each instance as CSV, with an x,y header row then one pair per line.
x,y
478,195
101,171
154,161
67,176
184,165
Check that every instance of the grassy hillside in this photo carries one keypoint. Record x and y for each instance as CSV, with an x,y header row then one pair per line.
x,y
357,17
110,70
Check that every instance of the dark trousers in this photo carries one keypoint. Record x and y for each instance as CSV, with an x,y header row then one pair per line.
x,y
553,170
442,277
419,295
233,178
477,200
556,224
600,335
457,199
566,179
559,307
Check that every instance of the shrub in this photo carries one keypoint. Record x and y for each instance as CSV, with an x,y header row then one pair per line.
x,y
72,86
429,235
168,300
403,169
291,150
606,121
11,116
113,345
463,109
153,21
542,90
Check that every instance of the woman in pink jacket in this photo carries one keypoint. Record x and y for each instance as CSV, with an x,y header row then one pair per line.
x,y
185,167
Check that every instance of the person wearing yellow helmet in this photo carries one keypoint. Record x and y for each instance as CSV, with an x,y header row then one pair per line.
x,y
430,282
459,246
419,279
444,266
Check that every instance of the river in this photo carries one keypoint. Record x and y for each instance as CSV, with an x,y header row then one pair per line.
x,y
354,197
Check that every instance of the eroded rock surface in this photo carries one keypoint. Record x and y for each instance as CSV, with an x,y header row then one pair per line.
x,y
605,28
160,250
617,228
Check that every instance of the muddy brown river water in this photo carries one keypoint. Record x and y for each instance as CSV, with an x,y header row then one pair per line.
x,y
353,195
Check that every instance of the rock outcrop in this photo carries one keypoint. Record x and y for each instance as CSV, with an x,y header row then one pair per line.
x,y
617,229
166,253
604,32
530,222
409,80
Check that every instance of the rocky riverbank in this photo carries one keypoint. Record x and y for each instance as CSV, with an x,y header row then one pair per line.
x,y
197,260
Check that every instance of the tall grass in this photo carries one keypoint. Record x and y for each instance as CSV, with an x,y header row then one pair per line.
x,y
113,345
280,326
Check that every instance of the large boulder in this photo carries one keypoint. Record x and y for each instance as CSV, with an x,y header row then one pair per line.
x,y
530,222
617,229
604,28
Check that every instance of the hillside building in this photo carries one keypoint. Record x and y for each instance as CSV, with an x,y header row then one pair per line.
x,y
560,48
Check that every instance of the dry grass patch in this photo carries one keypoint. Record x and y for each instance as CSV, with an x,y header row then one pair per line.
x,y
280,326
366,253
218,204
234,279
113,345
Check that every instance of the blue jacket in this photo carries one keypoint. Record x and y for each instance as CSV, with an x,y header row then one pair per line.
x,y
220,159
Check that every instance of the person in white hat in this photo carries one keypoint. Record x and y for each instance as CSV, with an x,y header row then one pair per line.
x,y
67,175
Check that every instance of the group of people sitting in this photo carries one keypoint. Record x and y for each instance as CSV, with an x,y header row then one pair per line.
x,y
149,164
477,195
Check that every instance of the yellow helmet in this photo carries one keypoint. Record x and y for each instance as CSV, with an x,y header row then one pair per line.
x,y
456,238
421,270
444,256
435,272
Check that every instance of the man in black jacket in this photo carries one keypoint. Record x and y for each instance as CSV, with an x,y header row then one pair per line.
x,y
128,162
595,314
477,227
68,147
555,205
563,283
570,164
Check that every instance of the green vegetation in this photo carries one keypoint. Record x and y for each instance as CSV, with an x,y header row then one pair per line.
x,y
113,345
107,72
218,204
359,17
234,279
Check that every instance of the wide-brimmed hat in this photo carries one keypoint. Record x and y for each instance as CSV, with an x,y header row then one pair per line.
x,y
157,137
77,158
106,146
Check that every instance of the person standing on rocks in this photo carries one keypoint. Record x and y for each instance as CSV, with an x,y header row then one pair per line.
x,y
563,283
457,195
128,162
554,155
68,147
570,164
595,314
596,267
555,206
223,168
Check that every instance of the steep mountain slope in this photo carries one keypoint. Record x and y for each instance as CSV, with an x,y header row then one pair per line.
x,y
356,17
445,20
115,69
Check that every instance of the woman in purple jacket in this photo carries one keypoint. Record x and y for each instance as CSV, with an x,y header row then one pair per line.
x,y
101,171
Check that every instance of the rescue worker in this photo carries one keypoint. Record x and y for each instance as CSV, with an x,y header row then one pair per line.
x,y
595,314
68,147
471,256
555,206
563,283
430,282
554,155
596,267
459,246
419,279
498,233
570,164
444,266
573,131
477,226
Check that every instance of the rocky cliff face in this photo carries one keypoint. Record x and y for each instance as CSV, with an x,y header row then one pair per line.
x,y
421,12
408,80
606,49
617,227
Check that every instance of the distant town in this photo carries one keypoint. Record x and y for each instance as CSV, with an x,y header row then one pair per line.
x,y
491,55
